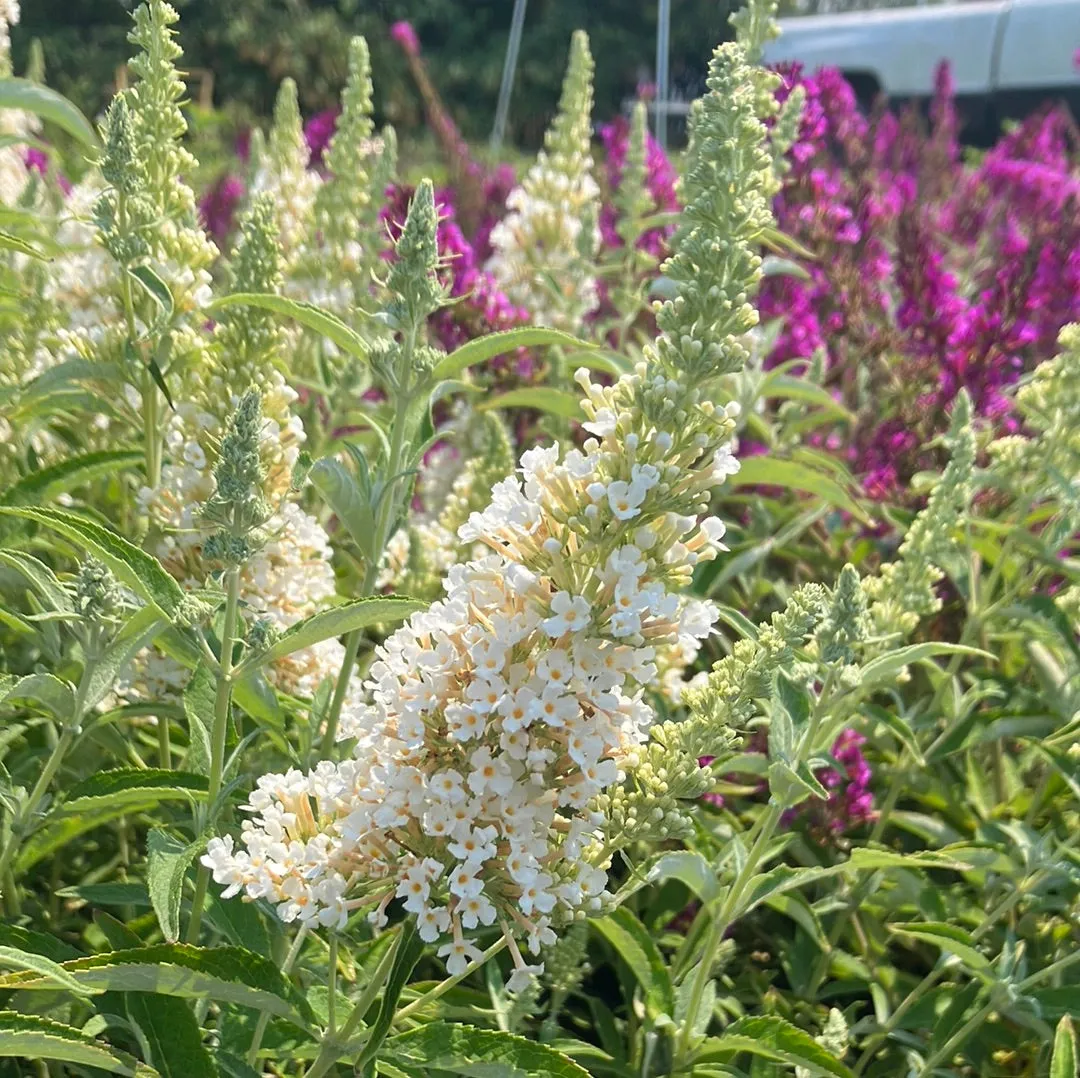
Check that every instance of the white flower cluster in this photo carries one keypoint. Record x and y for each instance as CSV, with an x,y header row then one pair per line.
x,y
293,187
495,718
288,578
538,246
84,285
545,248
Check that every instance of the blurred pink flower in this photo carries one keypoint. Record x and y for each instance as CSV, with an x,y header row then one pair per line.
x,y
403,33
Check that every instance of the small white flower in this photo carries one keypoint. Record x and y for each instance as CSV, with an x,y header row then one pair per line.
x,y
569,613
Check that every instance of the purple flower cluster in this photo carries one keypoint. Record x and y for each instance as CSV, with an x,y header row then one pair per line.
x,y
850,803
660,179
929,276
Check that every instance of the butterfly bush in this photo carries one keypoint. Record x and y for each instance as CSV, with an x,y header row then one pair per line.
x,y
289,576
500,722
544,247
929,275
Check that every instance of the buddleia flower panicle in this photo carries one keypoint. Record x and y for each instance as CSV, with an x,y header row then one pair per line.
x,y
287,574
499,725
413,281
281,170
182,248
1050,405
343,250
544,248
904,591
135,209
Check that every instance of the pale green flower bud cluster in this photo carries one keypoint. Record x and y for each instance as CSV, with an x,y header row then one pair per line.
x,y
281,170
98,596
159,127
124,214
545,247
785,129
342,202
249,338
1050,402
634,203
904,591
847,623
413,282
716,267
239,504
654,804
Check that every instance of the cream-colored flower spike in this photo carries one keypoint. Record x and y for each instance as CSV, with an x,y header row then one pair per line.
x,y
545,247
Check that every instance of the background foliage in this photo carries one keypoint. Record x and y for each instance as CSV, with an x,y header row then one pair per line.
x,y
251,45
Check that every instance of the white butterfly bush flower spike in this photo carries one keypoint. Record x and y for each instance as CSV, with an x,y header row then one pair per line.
x,y
545,246
499,725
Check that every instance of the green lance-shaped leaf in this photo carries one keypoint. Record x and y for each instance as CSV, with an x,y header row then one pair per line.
x,y
359,614
886,666
224,974
52,107
42,943
103,798
139,570
476,1053
40,578
172,1035
636,947
56,696
792,475
342,493
45,484
407,951
307,314
776,1039
167,862
558,402
9,242
17,959
32,1037
497,344
1063,1061
946,937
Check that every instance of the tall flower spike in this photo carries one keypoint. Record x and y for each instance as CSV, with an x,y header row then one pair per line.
x,y
282,170
545,247
159,127
249,338
340,202
413,280
730,180
904,591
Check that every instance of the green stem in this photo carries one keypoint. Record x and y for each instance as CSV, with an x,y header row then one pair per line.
x,y
731,907
441,989
67,738
720,924
352,648
383,519
334,1047
949,1048
222,699
152,429
164,745
331,988
1009,902
264,1018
